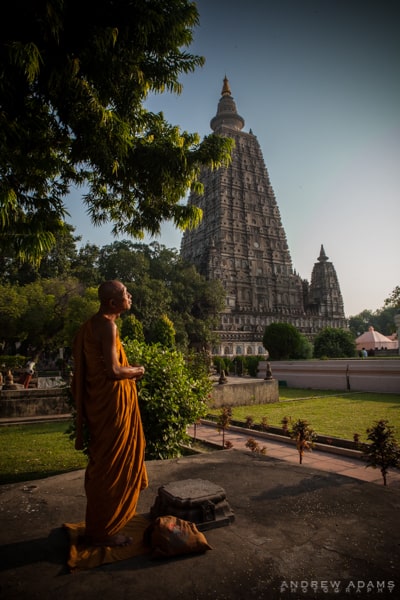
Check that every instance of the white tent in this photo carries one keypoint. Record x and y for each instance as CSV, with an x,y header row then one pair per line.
x,y
371,340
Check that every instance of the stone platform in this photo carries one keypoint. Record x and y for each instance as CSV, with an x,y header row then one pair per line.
x,y
298,533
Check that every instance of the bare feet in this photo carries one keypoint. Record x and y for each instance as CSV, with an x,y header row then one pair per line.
x,y
114,540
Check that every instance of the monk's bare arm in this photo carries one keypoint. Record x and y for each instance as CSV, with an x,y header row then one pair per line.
x,y
108,336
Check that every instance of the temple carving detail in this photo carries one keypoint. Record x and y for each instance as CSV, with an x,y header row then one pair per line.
x,y
241,242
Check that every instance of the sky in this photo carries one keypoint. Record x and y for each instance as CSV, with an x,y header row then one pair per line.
x,y
318,83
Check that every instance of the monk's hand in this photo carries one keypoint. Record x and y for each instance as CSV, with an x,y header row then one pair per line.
x,y
139,372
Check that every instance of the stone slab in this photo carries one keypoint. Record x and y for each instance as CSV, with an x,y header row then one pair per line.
x,y
197,500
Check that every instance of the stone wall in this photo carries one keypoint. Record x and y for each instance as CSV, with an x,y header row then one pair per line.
x,y
39,402
244,391
33,402
368,375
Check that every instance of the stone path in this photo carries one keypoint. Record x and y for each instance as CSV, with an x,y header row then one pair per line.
x,y
325,461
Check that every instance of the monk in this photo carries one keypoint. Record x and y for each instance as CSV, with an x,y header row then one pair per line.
x,y
104,390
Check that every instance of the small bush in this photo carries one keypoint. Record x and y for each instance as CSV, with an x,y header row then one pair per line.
x,y
283,341
334,343
12,362
224,421
249,422
383,452
251,363
171,397
304,436
255,446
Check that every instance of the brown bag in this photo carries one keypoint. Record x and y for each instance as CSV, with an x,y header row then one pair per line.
x,y
171,536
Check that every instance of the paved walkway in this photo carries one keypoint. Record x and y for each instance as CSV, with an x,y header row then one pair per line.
x,y
325,461
317,459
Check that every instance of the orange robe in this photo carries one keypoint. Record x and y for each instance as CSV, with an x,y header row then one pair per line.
x,y
116,472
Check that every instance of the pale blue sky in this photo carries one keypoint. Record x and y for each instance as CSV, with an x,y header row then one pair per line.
x,y
318,82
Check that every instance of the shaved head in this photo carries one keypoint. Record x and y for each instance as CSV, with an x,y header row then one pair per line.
x,y
109,290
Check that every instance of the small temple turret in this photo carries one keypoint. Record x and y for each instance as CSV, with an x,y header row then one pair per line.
x,y
324,296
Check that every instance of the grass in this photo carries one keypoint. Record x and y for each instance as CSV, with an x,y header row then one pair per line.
x,y
30,452
35,451
328,412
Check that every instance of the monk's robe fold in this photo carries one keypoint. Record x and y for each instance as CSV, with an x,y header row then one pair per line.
x,y
116,472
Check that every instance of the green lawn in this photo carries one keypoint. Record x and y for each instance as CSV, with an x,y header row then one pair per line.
x,y
34,451
328,412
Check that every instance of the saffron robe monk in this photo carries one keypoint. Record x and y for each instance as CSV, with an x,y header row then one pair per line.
x,y
104,390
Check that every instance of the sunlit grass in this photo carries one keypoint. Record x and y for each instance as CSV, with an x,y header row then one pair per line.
x,y
328,412
34,451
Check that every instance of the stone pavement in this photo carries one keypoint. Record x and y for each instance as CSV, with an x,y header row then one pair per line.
x,y
299,532
334,461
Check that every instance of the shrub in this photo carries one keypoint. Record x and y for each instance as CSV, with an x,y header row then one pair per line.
x,y
223,363
171,397
12,362
304,436
334,343
132,328
255,446
224,421
239,365
305,349
383,452
162,332
282,340
251,363
249,422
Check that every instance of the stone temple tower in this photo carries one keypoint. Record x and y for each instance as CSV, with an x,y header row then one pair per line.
x,y
324,297
241,241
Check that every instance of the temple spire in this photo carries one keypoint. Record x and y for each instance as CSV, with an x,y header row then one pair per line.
x,y
226,90
322,256
226,112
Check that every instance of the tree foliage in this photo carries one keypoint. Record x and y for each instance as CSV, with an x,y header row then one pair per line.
x,y
394,299
80,307
334,343
162,332
73,81
44,313
132,329
171,396
383,451
381,320
57,262
12,306
282,340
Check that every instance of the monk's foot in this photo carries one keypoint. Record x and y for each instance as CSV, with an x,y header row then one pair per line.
x,y
114,541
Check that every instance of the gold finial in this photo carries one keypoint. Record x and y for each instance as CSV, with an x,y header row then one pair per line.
x,y
226,90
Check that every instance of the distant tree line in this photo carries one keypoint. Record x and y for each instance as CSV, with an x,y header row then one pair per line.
x,y
284,341
381,319
42,306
